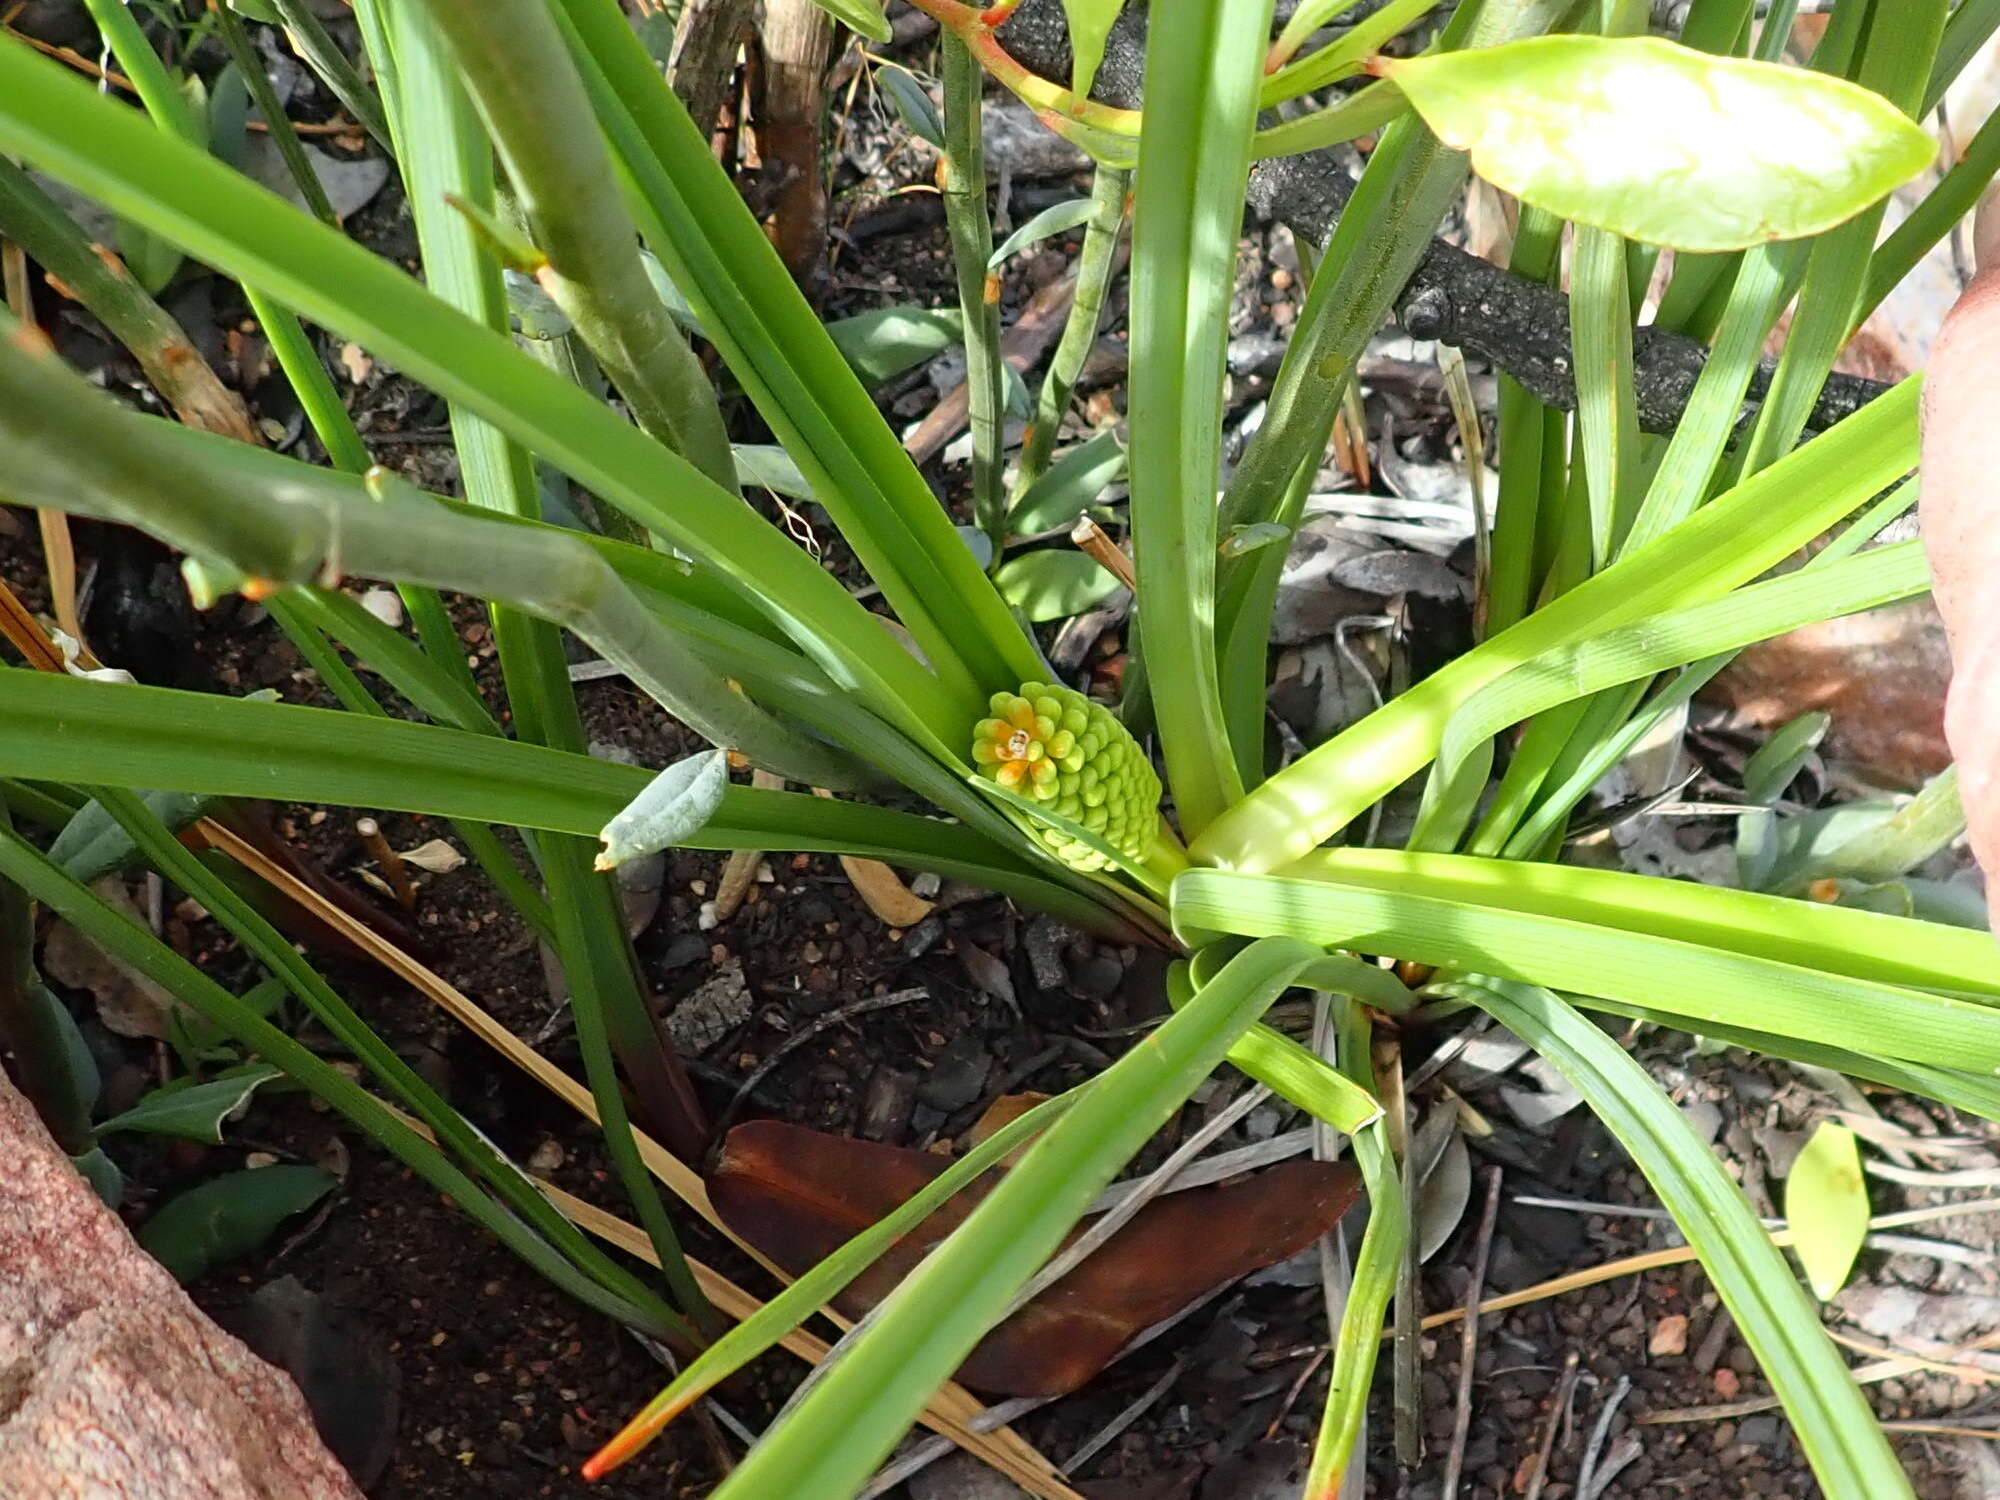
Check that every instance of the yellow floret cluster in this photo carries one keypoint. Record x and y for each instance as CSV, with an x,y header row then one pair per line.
x,y
1053,745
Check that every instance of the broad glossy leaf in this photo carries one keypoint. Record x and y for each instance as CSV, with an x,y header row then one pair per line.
x,y
193,1113
1826,1203
229,1216
1664,144
1090,24
673,806
1053,584
799,1195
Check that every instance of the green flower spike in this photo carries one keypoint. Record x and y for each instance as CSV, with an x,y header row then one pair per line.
x,y
1054,746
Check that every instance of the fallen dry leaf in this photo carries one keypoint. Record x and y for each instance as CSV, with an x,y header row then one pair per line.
x,y
1001,1113
796,1195
127,1001
435,856
881,889
739,871
1881,674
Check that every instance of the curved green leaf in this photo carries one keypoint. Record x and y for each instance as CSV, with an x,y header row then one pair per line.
x,y
194,1113
863,17
1681,978
1664,144
1051,221
1069,485
1090,23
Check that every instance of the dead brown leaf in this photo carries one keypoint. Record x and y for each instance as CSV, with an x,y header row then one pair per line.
x,y
797,1195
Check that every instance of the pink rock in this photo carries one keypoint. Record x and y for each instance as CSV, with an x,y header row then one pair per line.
x,y
1880,675
113,1385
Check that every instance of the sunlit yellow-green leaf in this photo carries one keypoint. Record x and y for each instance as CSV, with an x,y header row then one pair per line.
x,y
1664,144
1826,1202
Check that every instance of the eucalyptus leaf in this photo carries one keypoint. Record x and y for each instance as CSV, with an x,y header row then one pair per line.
x,y
673,807
1054,585
1070,485
890,340
912,103
1664,144
1050,222
228,1217
1826,1204
195,1112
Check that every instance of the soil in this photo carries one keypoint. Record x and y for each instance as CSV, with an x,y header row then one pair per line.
x,y
461,1372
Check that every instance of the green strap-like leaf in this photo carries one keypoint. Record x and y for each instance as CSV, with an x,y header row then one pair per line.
x,y
1809,934
65,727
1202,74
1726,543
1678,977
819,1286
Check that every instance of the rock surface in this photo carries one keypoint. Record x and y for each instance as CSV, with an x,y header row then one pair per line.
x,y
113,1385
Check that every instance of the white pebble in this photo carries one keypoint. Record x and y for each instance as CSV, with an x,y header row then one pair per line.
x,y
385,605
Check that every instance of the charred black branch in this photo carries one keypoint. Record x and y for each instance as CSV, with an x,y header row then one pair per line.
x,y
1521,326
